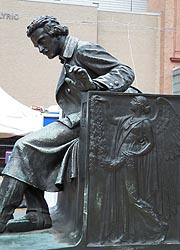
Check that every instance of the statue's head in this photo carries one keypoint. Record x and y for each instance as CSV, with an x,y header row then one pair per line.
x,y
48,35
141,103
50,24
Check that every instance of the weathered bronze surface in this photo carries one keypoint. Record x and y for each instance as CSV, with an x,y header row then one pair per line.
x,y
126,192
133,170
48,159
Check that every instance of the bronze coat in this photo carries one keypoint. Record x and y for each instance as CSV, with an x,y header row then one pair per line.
x,y
41,158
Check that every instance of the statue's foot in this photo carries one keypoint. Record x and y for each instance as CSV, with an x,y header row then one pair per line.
x,y
31,221
3,223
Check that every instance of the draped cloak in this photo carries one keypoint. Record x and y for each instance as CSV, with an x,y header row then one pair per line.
x,y
129,213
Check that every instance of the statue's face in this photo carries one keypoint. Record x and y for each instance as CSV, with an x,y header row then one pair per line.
x,y
47,45
134,105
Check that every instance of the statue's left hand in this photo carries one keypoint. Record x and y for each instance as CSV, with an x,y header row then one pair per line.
x,y
82,80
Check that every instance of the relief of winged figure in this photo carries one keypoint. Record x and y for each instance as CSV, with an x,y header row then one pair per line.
x,y
142,186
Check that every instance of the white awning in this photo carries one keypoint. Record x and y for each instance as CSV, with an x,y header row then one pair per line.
x,y
16,119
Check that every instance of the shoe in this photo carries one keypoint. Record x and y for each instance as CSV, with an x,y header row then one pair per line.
x,y
3,225
31,221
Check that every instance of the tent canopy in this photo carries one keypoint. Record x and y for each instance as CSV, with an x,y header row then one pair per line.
x,y
16,119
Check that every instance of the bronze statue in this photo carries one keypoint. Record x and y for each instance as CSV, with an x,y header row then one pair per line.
x,y
39,160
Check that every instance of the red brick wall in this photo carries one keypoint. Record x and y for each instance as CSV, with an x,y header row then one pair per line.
x,y
170,39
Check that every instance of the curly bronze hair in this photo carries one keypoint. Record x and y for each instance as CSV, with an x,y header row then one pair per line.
x,y
47,22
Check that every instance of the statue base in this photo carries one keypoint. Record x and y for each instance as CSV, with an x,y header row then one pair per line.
x,y
126,195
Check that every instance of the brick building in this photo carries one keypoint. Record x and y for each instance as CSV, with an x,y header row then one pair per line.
x,y
170,39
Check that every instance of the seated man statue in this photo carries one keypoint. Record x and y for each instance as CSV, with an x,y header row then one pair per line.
x,y
38,159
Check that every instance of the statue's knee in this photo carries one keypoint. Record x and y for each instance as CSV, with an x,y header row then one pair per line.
x,y
20,143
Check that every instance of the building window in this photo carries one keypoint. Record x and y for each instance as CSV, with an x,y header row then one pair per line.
x,y
176,81
106,5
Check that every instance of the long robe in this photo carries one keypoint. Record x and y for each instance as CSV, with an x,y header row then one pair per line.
x,y
130,214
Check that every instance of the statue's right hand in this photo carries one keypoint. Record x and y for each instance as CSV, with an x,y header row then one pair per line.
x,y
81,78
